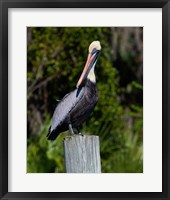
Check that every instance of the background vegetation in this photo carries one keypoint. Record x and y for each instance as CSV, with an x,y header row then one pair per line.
x,y
55,60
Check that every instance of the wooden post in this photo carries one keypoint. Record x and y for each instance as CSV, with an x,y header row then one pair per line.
x,y
82,154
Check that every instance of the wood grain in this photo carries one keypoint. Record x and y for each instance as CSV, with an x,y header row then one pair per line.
x,y
82,154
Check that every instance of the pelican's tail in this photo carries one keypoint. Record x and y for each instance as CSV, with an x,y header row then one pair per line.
x,y
52,135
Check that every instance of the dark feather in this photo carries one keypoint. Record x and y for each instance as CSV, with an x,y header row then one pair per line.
x,y
73,109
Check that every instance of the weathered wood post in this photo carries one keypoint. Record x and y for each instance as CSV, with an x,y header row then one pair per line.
x,y
82,154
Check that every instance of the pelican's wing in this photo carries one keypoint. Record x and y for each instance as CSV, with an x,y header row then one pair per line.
x,y
63,108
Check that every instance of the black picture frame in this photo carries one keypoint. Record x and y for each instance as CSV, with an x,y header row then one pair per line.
x,y
4,5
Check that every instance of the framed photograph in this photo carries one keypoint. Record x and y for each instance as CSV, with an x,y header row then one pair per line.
x,y
84,99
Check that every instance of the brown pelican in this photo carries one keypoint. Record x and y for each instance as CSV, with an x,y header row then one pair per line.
x,y
76,106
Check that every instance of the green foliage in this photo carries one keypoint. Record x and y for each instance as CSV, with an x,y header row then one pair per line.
x,y
44,156
56,57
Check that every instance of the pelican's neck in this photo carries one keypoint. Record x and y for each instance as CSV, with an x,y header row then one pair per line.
x,y
91,75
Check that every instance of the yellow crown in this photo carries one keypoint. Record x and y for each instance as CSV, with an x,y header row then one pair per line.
x,y
94,45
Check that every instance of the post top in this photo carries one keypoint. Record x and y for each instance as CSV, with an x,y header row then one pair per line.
x,y
80,136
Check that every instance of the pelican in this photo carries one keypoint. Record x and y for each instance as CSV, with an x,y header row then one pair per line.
x,y
76,106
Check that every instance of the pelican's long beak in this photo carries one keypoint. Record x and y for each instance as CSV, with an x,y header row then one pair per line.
x,y
89,63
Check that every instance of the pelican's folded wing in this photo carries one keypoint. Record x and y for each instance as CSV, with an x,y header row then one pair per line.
x,y
63,108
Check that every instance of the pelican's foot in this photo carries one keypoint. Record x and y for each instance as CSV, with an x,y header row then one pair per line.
x,y
78,130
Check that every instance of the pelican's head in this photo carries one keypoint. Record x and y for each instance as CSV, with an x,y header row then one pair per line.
x,y
94,50
95,45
